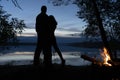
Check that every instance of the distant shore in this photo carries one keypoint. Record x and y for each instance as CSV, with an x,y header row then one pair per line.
x,y
94,45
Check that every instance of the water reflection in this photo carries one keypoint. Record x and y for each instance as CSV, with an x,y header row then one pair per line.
x,y
25,58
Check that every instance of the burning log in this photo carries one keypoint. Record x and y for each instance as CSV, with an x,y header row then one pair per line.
x,y
114,63
105,57
88,58
93,60
97,62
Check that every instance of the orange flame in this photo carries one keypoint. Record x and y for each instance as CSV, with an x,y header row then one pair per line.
x,y
106,57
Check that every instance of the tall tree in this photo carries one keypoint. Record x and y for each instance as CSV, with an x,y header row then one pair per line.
x,y
100,25
109,13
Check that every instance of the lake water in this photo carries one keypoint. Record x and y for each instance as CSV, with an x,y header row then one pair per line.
x,y
23,54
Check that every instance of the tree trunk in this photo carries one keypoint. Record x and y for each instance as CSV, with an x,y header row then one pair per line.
x,y
102,31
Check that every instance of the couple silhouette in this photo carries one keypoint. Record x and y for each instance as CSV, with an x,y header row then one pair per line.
x,y
45,27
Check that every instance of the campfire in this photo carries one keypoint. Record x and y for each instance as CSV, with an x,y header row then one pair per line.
x,y
105,58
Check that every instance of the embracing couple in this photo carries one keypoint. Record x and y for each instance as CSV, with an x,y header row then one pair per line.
x,y
45,28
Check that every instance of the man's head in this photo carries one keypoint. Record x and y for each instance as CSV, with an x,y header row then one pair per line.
x,y
43,9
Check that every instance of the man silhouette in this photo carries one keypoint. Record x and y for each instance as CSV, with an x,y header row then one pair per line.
x,y
43,38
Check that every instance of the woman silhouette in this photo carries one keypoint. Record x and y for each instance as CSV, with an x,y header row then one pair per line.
x,y
53,25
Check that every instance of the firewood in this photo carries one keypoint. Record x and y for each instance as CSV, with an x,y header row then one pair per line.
x,y
114,63
89,58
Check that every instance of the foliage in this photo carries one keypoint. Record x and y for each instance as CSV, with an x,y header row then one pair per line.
x,y
109,13
9,28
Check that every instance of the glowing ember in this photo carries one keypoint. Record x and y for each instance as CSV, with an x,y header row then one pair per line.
x,y
106,57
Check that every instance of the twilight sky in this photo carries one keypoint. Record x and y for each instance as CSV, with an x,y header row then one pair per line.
x,y
65,15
